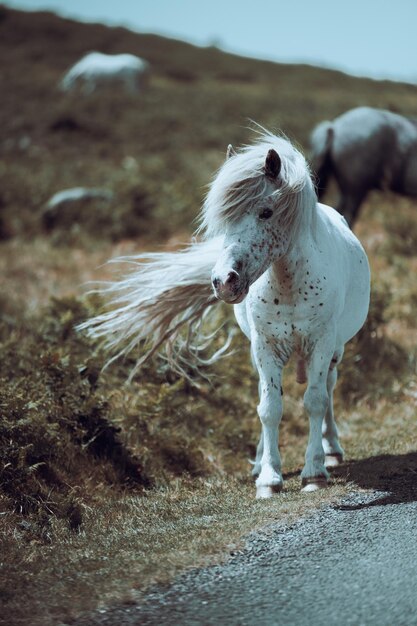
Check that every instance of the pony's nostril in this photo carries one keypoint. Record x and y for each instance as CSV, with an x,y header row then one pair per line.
x,y
231,278
215,283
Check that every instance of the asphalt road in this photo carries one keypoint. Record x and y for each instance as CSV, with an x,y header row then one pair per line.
x,y
350,564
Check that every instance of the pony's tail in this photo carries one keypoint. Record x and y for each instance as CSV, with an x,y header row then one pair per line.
x,y
163,293
320,158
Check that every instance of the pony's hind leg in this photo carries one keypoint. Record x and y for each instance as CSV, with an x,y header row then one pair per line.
x,y
268,468
330,437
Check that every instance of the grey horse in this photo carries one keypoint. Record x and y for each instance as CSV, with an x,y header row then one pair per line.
x,y
365,149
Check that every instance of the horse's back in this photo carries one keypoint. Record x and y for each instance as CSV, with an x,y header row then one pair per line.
x,y
96,68
361,139
349,270
359,126
369,146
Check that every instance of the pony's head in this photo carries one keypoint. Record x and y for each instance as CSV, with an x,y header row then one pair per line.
x,y
261,200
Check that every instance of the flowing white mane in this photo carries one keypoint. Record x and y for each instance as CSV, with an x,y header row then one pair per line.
x,y
241,181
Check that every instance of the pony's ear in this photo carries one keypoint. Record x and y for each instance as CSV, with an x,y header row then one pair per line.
x,y
230,151
272,164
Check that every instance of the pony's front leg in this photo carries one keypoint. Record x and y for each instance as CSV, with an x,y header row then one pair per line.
x,y
259,452
316,402
260,447
269,480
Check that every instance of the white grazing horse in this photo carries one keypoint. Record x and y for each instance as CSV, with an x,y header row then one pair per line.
x,y
365,149
96,70
297,277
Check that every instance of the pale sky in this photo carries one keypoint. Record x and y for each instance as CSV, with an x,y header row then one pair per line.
x,y
376,38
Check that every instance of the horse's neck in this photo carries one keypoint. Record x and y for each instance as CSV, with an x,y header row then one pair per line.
x,y
290,270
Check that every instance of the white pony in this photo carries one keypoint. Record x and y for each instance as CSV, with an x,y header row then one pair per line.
x,y
96,70
298,279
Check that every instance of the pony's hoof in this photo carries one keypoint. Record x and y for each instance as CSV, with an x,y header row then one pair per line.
x,y
314,483
333,460
267,491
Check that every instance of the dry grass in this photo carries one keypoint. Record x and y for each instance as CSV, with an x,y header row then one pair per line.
x,y
106,488
128,542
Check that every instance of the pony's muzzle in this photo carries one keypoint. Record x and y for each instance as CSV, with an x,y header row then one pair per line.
x,y
229,287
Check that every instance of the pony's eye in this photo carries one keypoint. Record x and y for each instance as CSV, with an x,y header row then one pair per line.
x,y
265,214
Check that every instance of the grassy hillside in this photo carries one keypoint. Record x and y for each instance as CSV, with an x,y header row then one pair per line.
x,y
104,487
156,152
